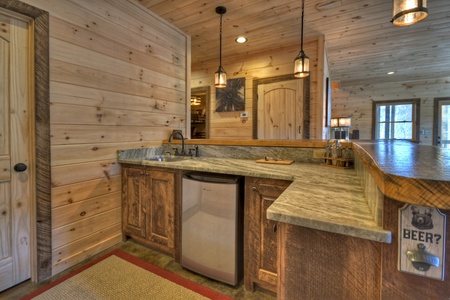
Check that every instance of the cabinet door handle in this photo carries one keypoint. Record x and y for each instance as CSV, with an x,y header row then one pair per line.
x,y
275,228
254,189
141,173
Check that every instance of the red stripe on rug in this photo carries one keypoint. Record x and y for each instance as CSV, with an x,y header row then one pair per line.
x,y
199,289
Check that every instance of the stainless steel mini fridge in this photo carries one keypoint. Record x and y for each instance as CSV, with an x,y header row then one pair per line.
x,y
211,242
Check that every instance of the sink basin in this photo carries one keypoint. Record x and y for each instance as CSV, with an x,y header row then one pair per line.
x,y
167,158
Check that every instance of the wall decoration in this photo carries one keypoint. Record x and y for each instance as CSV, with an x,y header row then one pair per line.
x,y
231,98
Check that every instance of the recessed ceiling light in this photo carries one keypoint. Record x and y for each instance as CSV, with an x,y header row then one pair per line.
x,y
391,72
241,40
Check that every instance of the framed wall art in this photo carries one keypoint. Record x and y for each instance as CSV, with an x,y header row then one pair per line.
x,y
232,97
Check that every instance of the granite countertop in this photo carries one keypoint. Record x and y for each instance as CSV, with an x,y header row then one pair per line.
x,y
408,172
323,198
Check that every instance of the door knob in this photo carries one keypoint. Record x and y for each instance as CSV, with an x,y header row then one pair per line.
x,y
20,167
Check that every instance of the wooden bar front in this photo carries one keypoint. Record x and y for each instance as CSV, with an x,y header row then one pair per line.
x,y
315,264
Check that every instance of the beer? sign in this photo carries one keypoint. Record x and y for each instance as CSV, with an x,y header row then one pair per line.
x,y
422,241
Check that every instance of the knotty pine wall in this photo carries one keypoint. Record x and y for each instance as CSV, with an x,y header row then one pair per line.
x,y
356,101
118,80
276,62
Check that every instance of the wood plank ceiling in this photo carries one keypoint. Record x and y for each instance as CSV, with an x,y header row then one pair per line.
x,y
361,43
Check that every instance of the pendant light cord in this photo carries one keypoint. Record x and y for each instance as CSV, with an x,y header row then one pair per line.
x,y
303,16
220,51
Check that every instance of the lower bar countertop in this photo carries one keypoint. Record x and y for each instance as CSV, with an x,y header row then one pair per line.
x,y
322,198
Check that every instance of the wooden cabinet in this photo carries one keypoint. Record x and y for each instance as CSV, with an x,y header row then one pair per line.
x,y
260,234
151,207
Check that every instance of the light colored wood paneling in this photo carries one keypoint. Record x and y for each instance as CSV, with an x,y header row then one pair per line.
x,y
5,225
77,55
69,233
111,240
356,101
96,78
68,174
5,168
80,95
87,115
92,17
118,80
136,51
72,154
82,210
73,193
362,44
4,87
63,253
259,65
81,134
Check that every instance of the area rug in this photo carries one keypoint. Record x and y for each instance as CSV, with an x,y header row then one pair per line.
x,y
119,275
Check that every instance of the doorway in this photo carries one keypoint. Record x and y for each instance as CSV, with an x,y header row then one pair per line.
x,y
441,131
302,109
200,112
40,243
280,110
17,167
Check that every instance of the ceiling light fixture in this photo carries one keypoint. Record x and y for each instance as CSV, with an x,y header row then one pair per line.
x,y
391,73
220,77
301,62
241,39
408,12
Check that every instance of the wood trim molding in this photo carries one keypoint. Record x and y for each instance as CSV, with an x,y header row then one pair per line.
x,y
42,266
416,103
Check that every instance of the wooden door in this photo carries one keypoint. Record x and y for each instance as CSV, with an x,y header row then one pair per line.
x,y
15,147
161,194
134,214
260,233
280,110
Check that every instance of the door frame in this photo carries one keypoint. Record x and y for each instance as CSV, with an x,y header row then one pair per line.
x,y
207,91
436,118
306,101
41,250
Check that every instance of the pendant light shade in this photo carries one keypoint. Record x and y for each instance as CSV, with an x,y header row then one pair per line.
x,y
220,77
301,65
301,62
408,12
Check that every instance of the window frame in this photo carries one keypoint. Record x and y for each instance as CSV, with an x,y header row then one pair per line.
x,y
436,117
416,116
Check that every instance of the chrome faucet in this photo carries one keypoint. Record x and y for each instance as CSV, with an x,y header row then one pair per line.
x,y
183,151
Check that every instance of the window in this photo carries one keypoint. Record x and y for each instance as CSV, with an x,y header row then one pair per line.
x,y
396,120
441,123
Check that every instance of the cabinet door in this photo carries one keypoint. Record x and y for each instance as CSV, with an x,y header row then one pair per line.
x,y
134,208
161,207
260,236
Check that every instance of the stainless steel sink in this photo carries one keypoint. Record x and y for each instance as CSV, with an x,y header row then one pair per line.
x,y
167,158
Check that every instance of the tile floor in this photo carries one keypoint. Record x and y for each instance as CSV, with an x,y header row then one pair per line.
x,y
157,259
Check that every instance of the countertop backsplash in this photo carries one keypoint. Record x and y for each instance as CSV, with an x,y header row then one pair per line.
x,y
304,155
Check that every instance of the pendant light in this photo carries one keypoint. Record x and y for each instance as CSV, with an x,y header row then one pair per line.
x,y
408,12
301,62
220,77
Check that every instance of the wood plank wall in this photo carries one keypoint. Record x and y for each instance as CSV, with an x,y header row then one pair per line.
x,y
356,101
118,79
276,62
